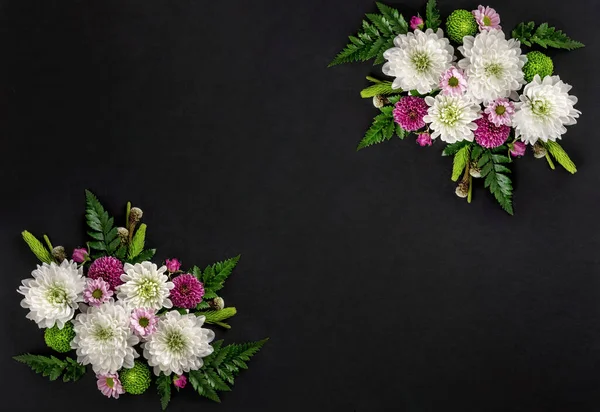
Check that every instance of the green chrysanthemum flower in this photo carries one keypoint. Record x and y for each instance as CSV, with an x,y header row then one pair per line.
x,y
461,23
537,63
60,339
135,380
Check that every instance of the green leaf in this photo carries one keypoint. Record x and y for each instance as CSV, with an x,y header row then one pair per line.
x,y
453,148
215,275
432,15
379,89
106,238
374,38
498,183
52,367
214,316
163,386
561,156
147,254
461,159
38,249
137,243
545,36
379,130
202,386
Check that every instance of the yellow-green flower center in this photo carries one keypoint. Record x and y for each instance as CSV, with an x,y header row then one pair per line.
x,y
148,289
57,295
97,294
453,82
541,108
421,61
175,342
494,69
500,110
450,114
110,382
144,322
487,21
103,333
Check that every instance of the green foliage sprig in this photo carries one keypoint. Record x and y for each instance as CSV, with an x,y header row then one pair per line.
x,y
492,164
545,36
383,128
214,276
461,160
432,15
377,35
101,226
378,88
561,156
163,387
217,317
37,247
221,367
52,367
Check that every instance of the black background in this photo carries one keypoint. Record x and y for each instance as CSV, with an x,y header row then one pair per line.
x,y
379,288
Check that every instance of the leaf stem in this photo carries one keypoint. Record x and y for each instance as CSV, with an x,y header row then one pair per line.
x,y
47,239
470,192
550,162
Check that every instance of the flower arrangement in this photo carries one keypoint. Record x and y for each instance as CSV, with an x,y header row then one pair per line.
x,y
475,90
131,320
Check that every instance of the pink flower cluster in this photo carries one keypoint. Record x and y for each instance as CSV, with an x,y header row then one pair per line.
x,y
409,113
107,268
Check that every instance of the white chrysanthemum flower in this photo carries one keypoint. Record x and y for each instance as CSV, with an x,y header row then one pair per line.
x,y
418,60
145,286
53,294
545,109
179,344
451,117
492,64
104,339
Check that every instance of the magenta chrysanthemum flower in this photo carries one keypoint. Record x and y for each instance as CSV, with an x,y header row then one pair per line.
x,y
409,112
143,322
424,139
96,292
453,82
180,381
110,385
416,22
188,291
517,149
172,265
488,134
108,268
500,112
487,18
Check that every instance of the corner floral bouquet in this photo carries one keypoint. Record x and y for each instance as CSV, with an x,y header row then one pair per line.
x,y
487,102
109,303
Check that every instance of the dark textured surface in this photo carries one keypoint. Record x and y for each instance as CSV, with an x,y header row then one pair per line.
x,y
378,287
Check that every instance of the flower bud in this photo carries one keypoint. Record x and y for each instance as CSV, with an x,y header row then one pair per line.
x,y
59,254
474,170
179,381
517,149
416,22
123,234
539,150
217,303
424,139
172,265
462,190
380,101
80,255
135,214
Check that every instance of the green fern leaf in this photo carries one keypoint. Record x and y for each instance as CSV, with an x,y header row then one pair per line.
x,y
561,156
163,386
382,129
432,15
47,366
145,255
106,238
496,180
453,148
397,21
545,36
38,249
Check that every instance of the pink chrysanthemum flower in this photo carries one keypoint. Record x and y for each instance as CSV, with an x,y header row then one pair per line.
x,y
488,134
416,22
96,292
409,112
487,18
143,322
110,385
188,291
500,112
453,82
424,139
180,381
108,268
